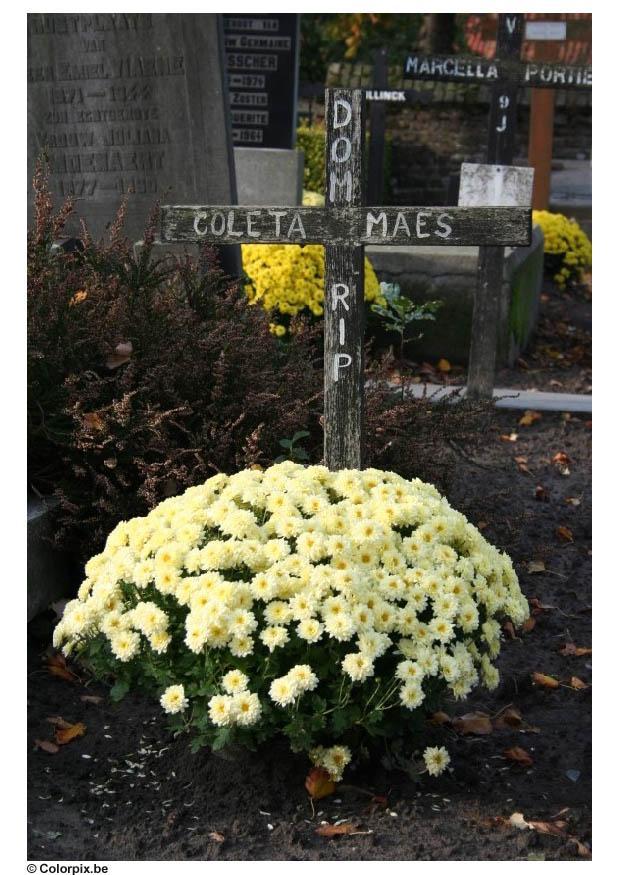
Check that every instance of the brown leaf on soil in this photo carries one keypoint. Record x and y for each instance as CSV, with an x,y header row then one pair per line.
x,y
582,850
519,756
510,717
338,829
561,459
530,417
217,837
545,680
58,721
509,438
570,649
92,700
575,502
564,533
528,625
476,723
57,665
444,366
537,607
47,746
541,494
121,355
319,784
439,718
93,421
555,828
65,734
521,462
536,566
577,684
509,630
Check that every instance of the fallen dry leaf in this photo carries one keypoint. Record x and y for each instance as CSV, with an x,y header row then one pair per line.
x,y
217,837
58,721
582,850
57,665
319,784
92,700
444,366
537,607
570,649
510,718
536,566
47,746
529,624
92,421
561,459
338,829
65,734
518,821
519,756
509,630
577,684
521,462
575,502
476,723
541,494
121,355
555,828
439,718
529,417
509,438
545,680
564,533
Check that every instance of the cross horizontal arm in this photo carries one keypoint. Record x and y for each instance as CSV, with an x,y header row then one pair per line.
x,y
390,226
533,74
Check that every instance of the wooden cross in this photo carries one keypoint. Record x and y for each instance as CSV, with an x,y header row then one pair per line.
x,y
505,73
344,227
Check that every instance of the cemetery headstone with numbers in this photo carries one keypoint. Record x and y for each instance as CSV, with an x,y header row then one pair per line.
x,y
505,73
345,226
129,102
262,57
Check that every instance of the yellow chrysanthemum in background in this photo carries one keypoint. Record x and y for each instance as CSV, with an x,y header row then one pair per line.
x,y
289,279
567,247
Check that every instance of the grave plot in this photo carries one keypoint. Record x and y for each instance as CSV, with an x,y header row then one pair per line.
x,y
127,789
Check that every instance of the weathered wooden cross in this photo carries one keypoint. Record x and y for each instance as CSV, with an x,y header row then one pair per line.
x,y
344,226
505,73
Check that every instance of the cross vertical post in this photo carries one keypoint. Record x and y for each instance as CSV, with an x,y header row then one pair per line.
x,y
500,150
344,284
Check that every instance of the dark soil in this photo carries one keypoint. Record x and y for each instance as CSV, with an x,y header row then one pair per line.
x,y
127,790
557,359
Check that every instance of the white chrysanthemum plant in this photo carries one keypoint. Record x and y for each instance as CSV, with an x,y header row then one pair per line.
x,y
323,606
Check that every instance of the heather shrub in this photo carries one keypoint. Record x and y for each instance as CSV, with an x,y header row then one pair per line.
x,y
145,376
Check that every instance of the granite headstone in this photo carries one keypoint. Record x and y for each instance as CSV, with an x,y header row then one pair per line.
x,y
129,102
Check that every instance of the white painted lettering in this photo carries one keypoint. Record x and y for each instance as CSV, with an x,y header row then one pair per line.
x,y
347,181
252,232
446,229
296,227
340,104
218,217
341,297
231,226
341,330
371,220
345,153
420,222
277,214
197,219
401,225
341,360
